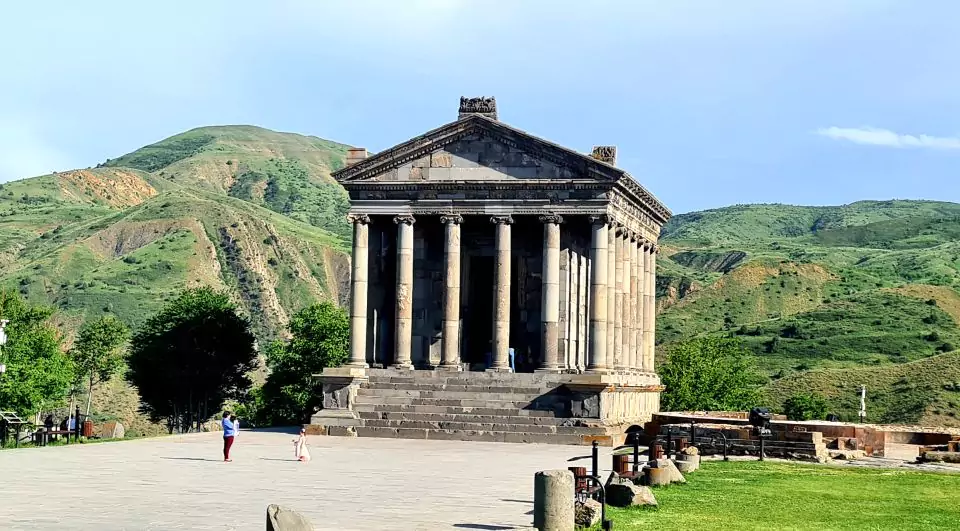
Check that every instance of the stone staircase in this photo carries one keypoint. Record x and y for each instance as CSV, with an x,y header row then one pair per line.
x,y
467,406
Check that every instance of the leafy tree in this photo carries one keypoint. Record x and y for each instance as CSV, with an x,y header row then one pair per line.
x,y
98,352
805,406
320,338
190,357
39,374
709,374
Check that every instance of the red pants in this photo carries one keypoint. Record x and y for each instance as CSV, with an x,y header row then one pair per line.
x,y
227,443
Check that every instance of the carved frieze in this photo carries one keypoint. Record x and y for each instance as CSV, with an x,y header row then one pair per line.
x,y
481,105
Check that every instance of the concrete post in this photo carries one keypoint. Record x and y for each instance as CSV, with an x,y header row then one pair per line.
x,y
501,301
611,294
598,295
635,326
450,353
550,293
404,291
647,306
553,496
619,347
358,290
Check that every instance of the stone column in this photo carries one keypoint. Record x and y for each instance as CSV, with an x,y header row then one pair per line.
x,y
618,346
598,295
501,300
611,294
404,314
550,292
635,326
625,318
641,304
358,290
651,340
647,307
450,353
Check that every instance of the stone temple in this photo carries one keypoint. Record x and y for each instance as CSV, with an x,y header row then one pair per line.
x,y
503,288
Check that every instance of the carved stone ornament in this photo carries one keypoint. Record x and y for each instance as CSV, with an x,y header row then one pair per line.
x,y
455,219
501,220
362,219
404,218
482,105
551,218
601,219
606,154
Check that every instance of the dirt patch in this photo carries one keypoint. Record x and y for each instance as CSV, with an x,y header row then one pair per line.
x,y
126,236
947,299
118,188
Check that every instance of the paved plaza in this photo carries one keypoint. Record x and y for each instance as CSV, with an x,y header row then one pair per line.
x,y
180,482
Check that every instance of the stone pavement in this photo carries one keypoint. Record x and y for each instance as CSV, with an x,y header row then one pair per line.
x,y
181,482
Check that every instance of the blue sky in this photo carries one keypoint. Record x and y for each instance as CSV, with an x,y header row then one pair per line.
x,y
710,103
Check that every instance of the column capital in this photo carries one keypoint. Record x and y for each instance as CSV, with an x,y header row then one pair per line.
x,y
655,248
454,219
645,244
599,219
362,219
406,219
633,235
555,219
501,220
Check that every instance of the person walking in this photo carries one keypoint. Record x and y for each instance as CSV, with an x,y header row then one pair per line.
x,y
300,447
229,432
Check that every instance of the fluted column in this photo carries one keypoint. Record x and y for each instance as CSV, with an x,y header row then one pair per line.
x,y
625,315
358,290
550,293
611,294
618,346
501,301
598,295
450,353
647,306
651,341
635,363
404,313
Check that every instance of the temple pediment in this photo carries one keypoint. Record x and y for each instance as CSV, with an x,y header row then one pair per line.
x,y
477,148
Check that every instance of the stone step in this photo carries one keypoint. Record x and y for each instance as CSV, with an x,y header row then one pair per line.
x,y
459,402
483,419
453,410
483,427
468,388
469,435
447,395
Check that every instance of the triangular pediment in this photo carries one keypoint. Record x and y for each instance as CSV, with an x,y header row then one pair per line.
x,y
477,148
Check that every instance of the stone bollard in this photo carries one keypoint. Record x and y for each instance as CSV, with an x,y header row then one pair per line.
x,y
283,519
553,500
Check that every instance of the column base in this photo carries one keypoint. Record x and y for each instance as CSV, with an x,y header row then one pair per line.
x,y
498,369
407,366
361,365
598,370
449,367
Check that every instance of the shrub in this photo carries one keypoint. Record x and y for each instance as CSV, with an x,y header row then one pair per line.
x,y
805,406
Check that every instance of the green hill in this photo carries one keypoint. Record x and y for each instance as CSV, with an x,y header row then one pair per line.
x,y
818,292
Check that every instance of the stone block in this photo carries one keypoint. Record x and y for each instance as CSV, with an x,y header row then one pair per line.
x,y
588,513
283,519
112,430
663,472
628,495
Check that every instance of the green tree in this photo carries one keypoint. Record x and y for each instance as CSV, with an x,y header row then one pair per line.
x,y
805,406
320,338
709,374
98,351
191,357
39,374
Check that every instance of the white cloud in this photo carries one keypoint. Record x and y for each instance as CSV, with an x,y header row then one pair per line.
x,y
884,137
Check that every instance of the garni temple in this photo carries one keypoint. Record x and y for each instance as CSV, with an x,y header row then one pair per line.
x,y
502,288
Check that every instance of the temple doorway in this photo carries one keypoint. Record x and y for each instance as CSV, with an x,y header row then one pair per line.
x,y
478,317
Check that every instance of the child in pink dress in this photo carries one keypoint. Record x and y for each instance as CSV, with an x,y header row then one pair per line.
x,y
300,447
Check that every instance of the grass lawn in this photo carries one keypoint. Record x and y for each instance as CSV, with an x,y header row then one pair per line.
x,y
754,495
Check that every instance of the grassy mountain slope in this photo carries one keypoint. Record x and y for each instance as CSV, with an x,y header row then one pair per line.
x,y
820,293
284,172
